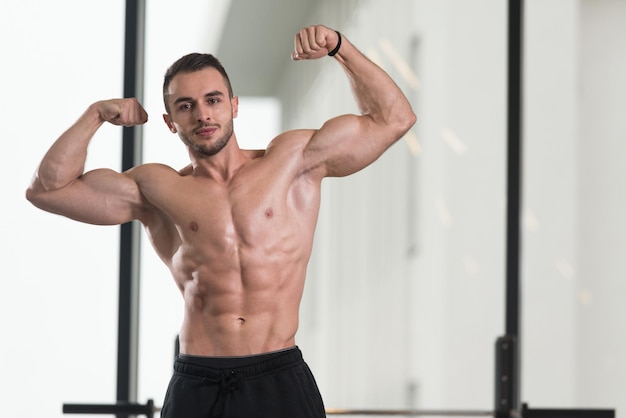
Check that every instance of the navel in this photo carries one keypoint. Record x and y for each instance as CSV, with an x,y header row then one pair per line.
x,y
194,226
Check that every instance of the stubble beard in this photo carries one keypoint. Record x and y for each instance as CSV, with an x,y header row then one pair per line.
x,y
215,146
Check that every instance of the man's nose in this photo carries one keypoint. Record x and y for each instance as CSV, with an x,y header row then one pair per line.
x,y
203,113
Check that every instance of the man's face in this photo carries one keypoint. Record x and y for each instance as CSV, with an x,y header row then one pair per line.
x,y
200,110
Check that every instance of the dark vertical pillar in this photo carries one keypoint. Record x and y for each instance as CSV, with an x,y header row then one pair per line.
x,y
128,320
514,168
508,348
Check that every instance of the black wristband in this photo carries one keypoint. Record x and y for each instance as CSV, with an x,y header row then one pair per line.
x,y
334,51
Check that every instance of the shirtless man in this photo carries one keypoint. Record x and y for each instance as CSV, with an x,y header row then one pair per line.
x,y
235,227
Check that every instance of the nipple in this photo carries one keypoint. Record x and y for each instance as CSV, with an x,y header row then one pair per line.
x,y
269,213
194,226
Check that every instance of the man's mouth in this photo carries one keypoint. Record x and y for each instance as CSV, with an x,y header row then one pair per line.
x,y
206,131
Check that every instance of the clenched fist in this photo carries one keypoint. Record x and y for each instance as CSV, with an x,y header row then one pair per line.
x,y
314,42
122,112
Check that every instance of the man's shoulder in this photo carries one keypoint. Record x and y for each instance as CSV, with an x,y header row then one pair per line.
x,y
156,171
291,140
152,168
288,153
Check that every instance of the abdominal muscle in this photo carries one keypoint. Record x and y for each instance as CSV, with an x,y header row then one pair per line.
x,y
233,312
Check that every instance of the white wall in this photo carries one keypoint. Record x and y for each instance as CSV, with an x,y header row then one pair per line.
x,y
601,267
573,267
550,211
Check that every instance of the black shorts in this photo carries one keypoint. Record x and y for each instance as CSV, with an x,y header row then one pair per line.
x,y
272,385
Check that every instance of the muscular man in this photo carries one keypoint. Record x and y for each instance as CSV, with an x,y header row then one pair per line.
x,y
235,227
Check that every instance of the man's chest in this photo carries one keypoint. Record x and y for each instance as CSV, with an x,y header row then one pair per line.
x,y
244,211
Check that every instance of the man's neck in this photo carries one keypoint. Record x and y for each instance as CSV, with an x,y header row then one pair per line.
x,y
221,166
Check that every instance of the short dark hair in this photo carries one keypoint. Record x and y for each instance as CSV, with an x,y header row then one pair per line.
x,y
190,63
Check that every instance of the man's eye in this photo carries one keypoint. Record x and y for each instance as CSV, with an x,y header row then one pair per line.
x,y
213,101
185,106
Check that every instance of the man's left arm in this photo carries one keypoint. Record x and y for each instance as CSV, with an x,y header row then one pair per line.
x,y
348,143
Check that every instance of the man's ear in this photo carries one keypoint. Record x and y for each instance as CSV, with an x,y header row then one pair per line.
x,y
169,123
235,104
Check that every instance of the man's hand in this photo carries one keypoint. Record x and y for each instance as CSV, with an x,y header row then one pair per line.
x,y
122,112
314,42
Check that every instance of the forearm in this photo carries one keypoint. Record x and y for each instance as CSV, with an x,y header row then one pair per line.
x,y
376,94
65,160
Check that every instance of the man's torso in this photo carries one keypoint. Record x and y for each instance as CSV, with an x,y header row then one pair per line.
x,y
237,249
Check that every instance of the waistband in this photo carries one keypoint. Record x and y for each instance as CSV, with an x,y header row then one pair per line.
x,y
216,367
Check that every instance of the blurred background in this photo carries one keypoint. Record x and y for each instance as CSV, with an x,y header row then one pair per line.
x,y
405,292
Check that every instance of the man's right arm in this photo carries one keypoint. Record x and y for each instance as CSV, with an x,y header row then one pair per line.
x,y
100,196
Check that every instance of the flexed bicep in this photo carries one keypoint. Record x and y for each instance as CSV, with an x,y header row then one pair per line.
x,y
101,197
345,145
